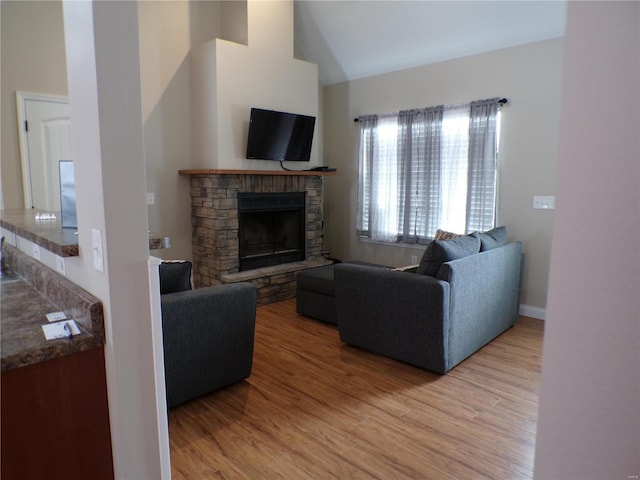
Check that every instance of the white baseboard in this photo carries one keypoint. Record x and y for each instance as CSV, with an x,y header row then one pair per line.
x,y
533,312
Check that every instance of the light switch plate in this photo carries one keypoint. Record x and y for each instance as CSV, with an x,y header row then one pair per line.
x,y
96,248
151,198
544,202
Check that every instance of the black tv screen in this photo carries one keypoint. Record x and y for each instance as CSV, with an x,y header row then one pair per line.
x,y
279,136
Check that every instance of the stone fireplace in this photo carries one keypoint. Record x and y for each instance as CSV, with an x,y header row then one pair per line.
x,y
283,234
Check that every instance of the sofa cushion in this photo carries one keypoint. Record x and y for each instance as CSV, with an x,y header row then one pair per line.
x,y
491,239
175,276
441,251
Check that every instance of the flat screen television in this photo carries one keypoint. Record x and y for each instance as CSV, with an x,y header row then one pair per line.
x,y
279,136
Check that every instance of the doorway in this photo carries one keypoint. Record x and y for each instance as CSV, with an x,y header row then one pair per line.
x,y
44,135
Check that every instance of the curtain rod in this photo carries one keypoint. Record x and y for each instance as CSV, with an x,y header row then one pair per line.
x,y
502,101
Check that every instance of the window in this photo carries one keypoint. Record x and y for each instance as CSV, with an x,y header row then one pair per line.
x,y
424,169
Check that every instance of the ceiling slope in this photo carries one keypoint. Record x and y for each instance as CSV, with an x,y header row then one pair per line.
x,y
356,39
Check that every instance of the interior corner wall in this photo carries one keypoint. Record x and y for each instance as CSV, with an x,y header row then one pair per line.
x,y
234,27
168,32
204,135
529,76
228,80
33,59
270,26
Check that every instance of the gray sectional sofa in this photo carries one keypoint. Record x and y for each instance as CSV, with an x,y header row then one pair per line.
x,y
460,299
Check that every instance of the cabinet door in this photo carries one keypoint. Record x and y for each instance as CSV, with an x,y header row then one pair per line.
x,y
55,419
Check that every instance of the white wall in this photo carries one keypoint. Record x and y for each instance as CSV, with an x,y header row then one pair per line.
x,y
33,59
270,26
107,147
589,416
229,78
168,31
529,76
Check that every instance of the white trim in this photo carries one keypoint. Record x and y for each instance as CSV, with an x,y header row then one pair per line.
x,y
158,366
21,98
533,312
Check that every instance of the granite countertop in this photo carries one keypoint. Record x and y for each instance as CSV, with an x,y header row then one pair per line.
x,y
32,291
50,235
23,311
39,290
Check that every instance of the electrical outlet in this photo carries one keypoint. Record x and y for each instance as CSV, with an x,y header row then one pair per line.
x,y
414,259
35,250
60,265
151,198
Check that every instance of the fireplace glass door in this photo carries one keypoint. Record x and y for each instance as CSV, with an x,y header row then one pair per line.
x,y
271,229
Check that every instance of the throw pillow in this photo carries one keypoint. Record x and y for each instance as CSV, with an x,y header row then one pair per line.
x,y
441,251
491,239
444,235
175,277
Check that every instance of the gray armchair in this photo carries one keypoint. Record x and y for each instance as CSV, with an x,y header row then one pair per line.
x,y
208,336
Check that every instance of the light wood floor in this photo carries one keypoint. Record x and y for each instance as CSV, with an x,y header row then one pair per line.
x,y
315,408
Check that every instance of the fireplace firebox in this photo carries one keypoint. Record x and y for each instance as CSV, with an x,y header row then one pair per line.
x,y
271,229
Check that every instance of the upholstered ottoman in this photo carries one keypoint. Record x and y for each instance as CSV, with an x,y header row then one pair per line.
x,y
315,295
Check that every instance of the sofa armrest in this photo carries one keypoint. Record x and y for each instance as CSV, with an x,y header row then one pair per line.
x,y
208,338
398,314
484,297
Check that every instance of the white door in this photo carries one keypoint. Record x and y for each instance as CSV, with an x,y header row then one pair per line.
x,y
45,124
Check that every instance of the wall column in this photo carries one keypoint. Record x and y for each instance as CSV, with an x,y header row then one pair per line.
x,y
103,71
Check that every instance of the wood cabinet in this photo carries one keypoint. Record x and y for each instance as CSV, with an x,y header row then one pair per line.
x,y
55,419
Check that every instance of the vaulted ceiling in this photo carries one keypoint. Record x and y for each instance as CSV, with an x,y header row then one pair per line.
x,y
356,39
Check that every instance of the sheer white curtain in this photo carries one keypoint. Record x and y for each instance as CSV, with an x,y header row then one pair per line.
x,y
425,169
366,147
455,148
483,159
385,204
379,186
420,150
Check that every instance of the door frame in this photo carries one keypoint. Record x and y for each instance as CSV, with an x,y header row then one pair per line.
x,y
21,109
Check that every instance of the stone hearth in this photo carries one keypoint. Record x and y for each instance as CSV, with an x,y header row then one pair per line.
x,y
214,217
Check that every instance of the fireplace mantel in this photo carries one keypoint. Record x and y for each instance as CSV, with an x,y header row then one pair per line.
x,y
207,171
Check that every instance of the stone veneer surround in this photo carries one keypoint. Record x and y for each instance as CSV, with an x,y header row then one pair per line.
x,y
214,217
